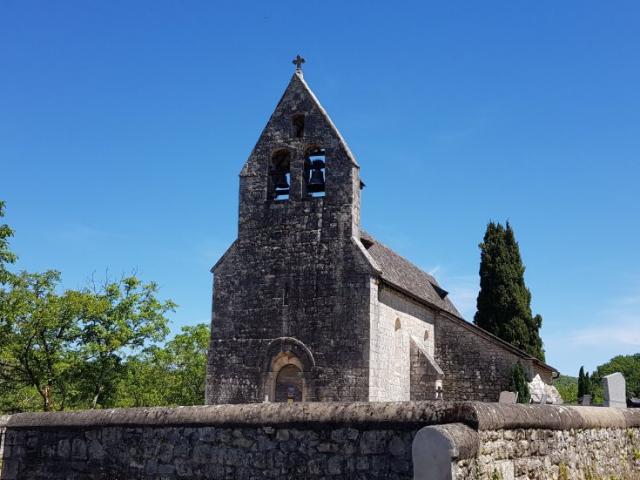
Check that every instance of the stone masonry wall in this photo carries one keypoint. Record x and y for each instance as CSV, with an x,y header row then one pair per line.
x,y
390,356
208,452
398,440
475,366
542,454
296,270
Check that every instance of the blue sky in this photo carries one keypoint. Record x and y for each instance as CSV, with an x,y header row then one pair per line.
x,y
124,125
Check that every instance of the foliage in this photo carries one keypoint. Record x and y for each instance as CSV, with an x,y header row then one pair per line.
x,y
68,349
70,346
628,365
518,383
171,375
6,255
581,382
504,302
568,388
585,386
38,333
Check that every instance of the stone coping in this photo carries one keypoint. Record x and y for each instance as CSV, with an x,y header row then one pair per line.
x,y
477,415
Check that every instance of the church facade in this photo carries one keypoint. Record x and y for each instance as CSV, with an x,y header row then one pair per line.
x,y
309,307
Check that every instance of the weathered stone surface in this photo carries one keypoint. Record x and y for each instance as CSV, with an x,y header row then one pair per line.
x,y
614,387
308,307
538,454
319,440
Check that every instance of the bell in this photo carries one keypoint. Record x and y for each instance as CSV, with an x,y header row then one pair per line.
x,y
280,180
316,182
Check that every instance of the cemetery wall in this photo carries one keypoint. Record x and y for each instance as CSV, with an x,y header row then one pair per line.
x,y
324,440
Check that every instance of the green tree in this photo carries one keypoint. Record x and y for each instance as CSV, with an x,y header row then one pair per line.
x,y
169,375
581,382
628,365
588,389
518,383
6,255
118,320
67,348
568,388
504,302
39,334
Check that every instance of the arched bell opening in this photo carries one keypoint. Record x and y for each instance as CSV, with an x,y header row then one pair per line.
x,y
280,175
315,172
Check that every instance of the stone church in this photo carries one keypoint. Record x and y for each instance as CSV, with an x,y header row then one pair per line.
x,y
307,306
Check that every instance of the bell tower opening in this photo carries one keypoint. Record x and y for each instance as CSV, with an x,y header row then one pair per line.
x,y
315,169
280,173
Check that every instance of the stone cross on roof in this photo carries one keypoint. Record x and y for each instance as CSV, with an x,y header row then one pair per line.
x,y
298,61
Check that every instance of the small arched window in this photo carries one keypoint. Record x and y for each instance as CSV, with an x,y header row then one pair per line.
x,y
297,125
398,325
280,175
426,335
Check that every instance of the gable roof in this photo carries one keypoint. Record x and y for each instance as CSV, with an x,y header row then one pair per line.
x,y
404,275
400,272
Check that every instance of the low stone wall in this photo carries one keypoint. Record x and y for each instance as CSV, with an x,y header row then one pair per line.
x,y
536,442
401,440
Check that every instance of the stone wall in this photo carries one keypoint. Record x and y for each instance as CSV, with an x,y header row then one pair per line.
x,y
396,323
537,443
311,441
295,271
476,365
400,440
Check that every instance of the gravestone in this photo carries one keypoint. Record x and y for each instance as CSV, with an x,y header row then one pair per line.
x,y
586,400
508,397
615,394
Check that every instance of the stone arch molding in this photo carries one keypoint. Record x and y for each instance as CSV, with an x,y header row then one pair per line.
x,y
279,353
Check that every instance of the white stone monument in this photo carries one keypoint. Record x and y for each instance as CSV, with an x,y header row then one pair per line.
x,y
543,393
615,390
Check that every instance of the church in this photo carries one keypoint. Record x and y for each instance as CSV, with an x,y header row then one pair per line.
x,y
307,306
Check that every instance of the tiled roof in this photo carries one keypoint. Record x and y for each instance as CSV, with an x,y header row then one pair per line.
x,y
400,272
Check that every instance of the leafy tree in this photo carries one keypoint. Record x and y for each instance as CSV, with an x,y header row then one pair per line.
x,y
39,332
518,383
504,302
68,348
6,255
628,365
169,375
568,388
118,320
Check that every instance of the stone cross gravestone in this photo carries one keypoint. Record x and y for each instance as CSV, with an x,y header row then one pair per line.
x,y
508,397
615,394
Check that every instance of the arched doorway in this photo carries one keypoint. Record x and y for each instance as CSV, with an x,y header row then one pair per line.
x,y
287,369
289,384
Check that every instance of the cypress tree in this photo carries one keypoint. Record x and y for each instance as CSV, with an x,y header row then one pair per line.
x,y
581,391
587,385
504,302
518,383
